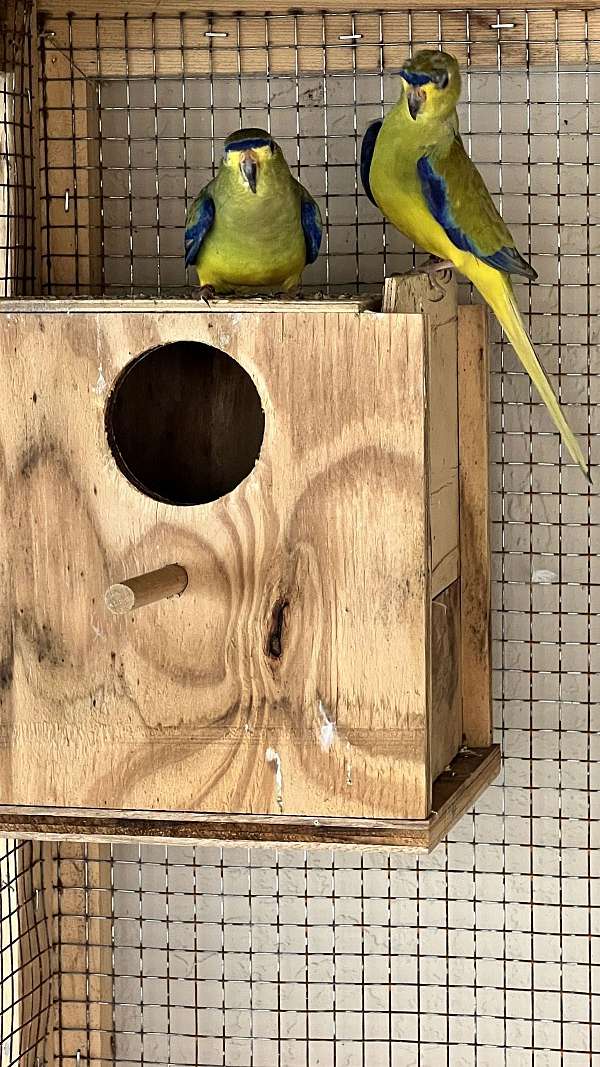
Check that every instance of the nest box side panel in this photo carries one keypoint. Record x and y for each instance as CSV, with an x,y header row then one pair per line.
x,y
291,675
417,293
476,592
446,689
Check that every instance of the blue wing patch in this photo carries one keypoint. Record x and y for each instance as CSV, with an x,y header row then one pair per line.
x,y
366,156
200,220
313,231
434,190
512,262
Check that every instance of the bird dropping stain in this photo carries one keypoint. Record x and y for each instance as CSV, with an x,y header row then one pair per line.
x,y
273,757
100,386
327,731
543,577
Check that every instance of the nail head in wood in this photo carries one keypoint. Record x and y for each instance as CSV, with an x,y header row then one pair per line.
x,y
146,589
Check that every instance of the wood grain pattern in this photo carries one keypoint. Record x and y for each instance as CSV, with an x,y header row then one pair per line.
x,y
11,947
304,627
9,22
416,294
473,392
308,41
19,177
70,179
48,879
446,692
453,794
166,8
32,965
7,180
84,978
36,150
342,305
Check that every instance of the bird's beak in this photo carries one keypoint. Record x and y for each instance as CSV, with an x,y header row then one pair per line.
x,y
249,168
415,98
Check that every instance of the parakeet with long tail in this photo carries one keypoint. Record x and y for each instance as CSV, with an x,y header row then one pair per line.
x,y
253,228
416,171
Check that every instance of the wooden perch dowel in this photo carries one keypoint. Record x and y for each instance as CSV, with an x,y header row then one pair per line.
x,y
146,589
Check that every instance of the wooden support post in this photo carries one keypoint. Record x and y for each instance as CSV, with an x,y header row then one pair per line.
x,y
36,153
146,589
446,690
417,294
473,390
27,1017
84,970
18,174
72,262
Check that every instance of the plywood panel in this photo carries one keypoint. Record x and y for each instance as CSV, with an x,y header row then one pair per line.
x,y
8,178
71,176
18,148
191,704
84,979
446,696
28,963
389,30
473,382
220,305
420,294
453,793
129,41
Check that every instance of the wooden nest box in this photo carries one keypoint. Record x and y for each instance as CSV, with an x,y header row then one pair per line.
x,y
309,480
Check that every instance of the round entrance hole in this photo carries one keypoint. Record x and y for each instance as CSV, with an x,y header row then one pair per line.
x,y
184,423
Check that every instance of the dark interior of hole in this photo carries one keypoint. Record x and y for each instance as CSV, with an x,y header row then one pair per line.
x,y
185,423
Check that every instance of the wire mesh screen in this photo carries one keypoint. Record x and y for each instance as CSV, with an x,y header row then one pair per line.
x,y
486,952
16,150
135,112
25,958
482,953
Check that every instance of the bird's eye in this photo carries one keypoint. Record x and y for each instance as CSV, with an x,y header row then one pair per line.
x,y
273,147
442,79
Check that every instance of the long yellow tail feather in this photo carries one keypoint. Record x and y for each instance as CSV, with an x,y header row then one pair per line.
x,y
496,289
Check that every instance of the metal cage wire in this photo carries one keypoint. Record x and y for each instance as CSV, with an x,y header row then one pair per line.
x,y
485,952
16,152
25,969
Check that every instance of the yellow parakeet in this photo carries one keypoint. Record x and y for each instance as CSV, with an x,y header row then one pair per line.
x,y
415,169
253,228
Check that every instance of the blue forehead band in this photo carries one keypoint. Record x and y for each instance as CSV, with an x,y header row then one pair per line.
x,y
242,146
413,78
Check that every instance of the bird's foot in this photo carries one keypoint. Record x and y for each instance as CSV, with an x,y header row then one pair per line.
x,y
282,295
431,267
204,292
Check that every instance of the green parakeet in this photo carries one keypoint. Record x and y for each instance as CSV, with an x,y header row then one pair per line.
x,y
416,171
253,228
